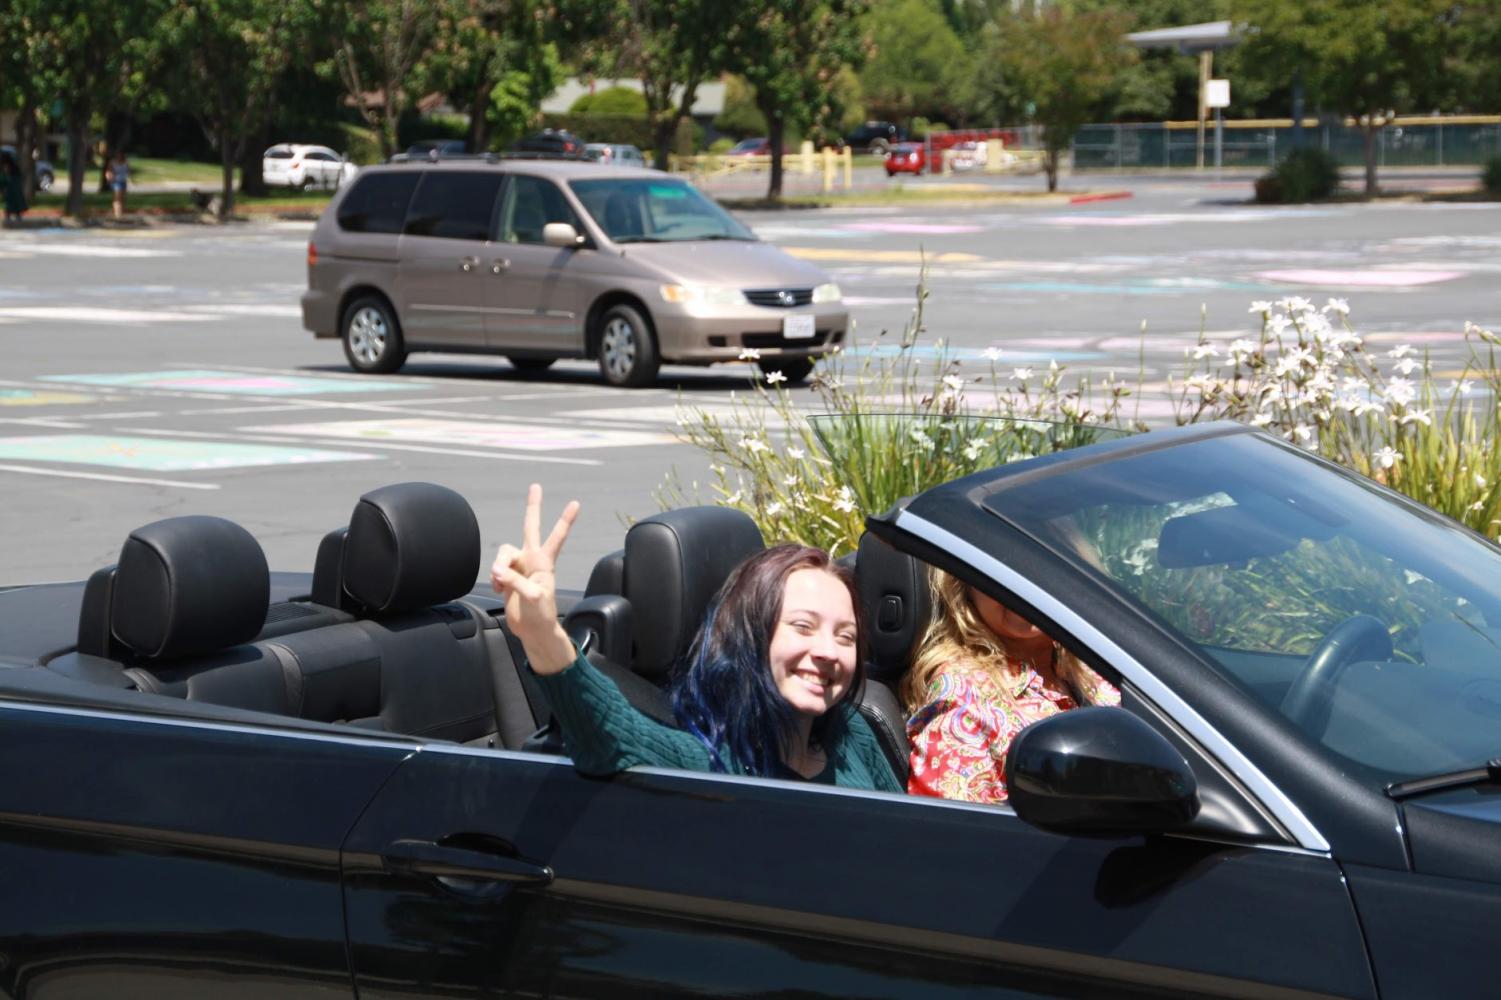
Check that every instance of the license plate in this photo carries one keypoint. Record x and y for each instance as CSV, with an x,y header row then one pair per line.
x,y
797,327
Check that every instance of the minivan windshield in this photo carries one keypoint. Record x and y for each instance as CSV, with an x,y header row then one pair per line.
x,y
1372,626
655,210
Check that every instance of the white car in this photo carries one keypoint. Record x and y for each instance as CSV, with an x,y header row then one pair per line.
x,y
292,165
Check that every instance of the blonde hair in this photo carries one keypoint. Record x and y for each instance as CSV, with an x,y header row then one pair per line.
x,y
956,632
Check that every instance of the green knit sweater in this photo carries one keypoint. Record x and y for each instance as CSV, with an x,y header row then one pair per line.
x,y
605,734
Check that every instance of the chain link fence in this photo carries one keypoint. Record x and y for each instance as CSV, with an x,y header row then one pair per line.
x,y
1407,142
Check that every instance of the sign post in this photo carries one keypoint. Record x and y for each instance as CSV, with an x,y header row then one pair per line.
x,y
1217,96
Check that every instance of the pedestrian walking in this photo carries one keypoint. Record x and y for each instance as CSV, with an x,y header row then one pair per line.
x,y
12,188
117,174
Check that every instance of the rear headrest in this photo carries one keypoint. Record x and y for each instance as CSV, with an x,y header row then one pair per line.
x,y
898,604
675,562
410,546
187,586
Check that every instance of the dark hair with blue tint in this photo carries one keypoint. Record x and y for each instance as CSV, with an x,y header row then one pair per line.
x,y
725,693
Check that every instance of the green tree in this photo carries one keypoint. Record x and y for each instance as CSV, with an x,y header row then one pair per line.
x,y
611,101
918,62
740,117
21,87
1067,66
790,52
1364,58
376,46
229,57
517,96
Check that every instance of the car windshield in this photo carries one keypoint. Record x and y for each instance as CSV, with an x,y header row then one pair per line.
x,y
1373,626
655,210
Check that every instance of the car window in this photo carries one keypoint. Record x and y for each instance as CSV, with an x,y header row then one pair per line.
x,y
454,205
278,153
652,210
378,202
315,155
1271,568
529,204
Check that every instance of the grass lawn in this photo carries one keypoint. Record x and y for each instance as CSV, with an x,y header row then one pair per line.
x,y
288,202
144,170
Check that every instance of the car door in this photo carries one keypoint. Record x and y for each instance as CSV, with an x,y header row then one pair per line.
x,y
445,248
482,873
148,856
535,290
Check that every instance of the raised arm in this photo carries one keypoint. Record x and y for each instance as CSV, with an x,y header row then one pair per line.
x,y
525,578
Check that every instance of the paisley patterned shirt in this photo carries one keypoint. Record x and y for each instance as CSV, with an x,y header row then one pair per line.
x,y
960,736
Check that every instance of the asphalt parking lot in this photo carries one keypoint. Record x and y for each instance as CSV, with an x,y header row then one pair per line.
x,y
161,371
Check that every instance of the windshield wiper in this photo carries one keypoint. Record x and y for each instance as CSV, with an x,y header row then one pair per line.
x,y
724,236
640,239
1484,774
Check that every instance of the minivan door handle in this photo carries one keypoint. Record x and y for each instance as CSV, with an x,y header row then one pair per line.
x,y
499,266
468,263
424,857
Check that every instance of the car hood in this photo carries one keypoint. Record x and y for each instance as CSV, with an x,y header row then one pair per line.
x,y
738,263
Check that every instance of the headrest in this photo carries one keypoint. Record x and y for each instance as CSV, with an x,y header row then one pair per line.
x,y
187,586
897,604
675,562
608,575
410,546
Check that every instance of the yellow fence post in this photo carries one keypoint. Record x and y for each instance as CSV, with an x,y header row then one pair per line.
x,y
848,155
828,169
806,154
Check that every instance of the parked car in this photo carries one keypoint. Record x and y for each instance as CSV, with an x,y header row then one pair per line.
x,y
42,169
755,146
343,783
615,154
875,137
431,149
906,158
296,165
553,141
540,260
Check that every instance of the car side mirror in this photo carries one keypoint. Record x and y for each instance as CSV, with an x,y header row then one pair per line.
x,y
1099,771
561,234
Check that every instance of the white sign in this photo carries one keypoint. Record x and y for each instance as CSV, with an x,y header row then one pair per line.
x,y
1217,94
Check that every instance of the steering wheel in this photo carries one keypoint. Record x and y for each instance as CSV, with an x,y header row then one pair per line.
x,y
1359,637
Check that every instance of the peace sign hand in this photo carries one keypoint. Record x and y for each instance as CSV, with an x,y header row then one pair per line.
x,y
524,577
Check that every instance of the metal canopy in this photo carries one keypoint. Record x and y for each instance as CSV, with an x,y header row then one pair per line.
x,y
1189,38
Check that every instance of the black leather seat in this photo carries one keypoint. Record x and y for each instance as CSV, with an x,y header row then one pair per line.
x,y
410,552
179,611
898,606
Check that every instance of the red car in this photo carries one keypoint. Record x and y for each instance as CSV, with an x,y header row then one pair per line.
x,y
906,158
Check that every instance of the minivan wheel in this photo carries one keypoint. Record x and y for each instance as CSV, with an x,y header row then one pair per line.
x,y
627,349
529,365
372,337
794,369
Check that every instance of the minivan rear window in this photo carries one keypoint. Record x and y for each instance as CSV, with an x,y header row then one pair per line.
x,y
378,202
455,205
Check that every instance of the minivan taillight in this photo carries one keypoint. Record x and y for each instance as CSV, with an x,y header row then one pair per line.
x,y
312,253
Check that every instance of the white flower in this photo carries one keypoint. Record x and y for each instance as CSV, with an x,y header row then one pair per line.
x,y
1241,349
1387,457
1400,391
1340,306
754,445
774,377
1052,366
1261,420
1406,366
1477,505
921,440
1295,303
953,383
790,481
1461,386
1260,306
774,508
1479,481
1203,351
1278,323
795,452
1021,374
1400,351
1302,432
845,501
974,450
750,354
1417,417
733,499
992,354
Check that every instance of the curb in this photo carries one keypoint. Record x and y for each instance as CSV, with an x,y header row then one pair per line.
x,y
1084,199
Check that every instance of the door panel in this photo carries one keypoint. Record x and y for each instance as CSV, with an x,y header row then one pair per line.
x,y
535,290
675,884
445,252
142,858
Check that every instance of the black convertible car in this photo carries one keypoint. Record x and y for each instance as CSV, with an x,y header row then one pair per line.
x,y
220,781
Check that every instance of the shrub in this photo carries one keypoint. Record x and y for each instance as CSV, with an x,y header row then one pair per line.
x,y
908,417
1490,177
722,145
611,101
1306,174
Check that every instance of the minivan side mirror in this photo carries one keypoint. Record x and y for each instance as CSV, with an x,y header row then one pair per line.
x,y
1099,771
561,234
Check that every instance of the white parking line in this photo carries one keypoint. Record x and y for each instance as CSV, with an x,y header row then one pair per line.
x,y
106,478
364,445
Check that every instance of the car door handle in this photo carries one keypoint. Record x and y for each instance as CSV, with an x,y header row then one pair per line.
x,y
423,857
499,266
468,263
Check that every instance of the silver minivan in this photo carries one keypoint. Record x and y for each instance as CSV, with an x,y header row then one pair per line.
x,y
540,260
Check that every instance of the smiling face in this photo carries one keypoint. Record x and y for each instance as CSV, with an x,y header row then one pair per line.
x,y
813,648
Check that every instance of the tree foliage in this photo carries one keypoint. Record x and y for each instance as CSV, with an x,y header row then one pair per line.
x,y
918,64
376,46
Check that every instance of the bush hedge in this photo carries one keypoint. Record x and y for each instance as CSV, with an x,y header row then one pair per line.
x,y
1306,174
1490,176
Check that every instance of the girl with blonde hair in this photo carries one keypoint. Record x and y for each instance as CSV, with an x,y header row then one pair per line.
x,y
982,674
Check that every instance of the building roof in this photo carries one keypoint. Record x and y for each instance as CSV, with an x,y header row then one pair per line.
x,y
1189,38
708,99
